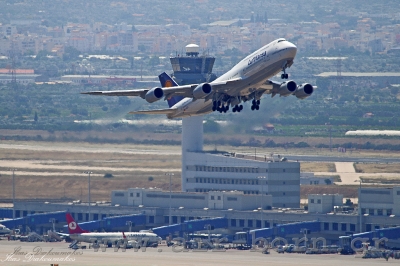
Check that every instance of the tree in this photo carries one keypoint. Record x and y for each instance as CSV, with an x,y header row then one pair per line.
x,y
348,202
70,54
328,181
211,127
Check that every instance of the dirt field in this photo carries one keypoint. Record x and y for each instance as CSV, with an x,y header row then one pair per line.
x,y
56,169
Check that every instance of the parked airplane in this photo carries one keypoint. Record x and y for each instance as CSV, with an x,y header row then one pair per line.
x,y
80,235
4,230
248,80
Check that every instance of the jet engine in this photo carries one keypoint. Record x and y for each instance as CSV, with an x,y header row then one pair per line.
x,y
304,90
154,94
287,88
202,90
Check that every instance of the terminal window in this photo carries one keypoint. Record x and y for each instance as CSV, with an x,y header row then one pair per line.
x,y
344,227
389,212
352,227
241,223
326,226
335,226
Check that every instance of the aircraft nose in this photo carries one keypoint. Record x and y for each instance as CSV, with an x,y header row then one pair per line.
x,y
291,50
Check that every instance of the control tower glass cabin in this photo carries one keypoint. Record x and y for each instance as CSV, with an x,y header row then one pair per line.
x,y
192,68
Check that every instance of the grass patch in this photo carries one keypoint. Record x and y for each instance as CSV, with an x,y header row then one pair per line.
x,y
317,167
377,167
380,179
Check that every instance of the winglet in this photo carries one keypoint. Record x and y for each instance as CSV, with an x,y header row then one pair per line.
x,y
73,227
123,235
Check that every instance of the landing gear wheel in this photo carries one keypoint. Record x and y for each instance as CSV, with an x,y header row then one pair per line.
x,y
252,107
257,107
258,102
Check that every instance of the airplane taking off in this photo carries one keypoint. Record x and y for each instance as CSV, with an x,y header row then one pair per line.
x,y
80,235
247,80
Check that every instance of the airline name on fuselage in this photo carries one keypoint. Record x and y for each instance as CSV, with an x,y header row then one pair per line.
x,y
135,235
256,58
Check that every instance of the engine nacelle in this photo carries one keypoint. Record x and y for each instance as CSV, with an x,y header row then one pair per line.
x,y
154,95
287,88
304,90
202,90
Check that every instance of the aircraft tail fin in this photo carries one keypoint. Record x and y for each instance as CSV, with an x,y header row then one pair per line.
x,y
166,82
73,227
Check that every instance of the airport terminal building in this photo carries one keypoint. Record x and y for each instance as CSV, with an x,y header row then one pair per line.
x,y
253,175
213,200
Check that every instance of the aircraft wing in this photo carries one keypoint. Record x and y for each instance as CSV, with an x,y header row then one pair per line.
x,y
273,87
140,93
155,112
184,90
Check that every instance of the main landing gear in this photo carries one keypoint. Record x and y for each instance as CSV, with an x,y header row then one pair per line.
x,y
237,108
255,105
224,107
220,108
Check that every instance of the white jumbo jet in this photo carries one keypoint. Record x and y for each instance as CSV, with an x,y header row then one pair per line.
x,y
247,80
80,235
4,230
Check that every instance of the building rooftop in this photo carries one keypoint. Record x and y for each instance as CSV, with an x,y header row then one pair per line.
x,y
360,74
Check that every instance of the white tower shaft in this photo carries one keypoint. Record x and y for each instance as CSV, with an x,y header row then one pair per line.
x,y
192,140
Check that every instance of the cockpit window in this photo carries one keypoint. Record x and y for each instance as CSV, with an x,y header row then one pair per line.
x,y
281,40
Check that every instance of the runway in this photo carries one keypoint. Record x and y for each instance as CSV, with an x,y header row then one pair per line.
x,y
15,253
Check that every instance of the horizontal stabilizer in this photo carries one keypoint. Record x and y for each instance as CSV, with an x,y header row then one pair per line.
x,y
155,112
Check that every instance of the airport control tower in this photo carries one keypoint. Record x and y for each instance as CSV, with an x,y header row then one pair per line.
x,y
192,69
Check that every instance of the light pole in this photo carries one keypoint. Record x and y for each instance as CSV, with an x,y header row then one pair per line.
x,y
129,223
330,135
262,178
170,196
359,206
88,172
53,221
13,190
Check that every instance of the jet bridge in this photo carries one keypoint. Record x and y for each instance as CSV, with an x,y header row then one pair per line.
x,y
191,226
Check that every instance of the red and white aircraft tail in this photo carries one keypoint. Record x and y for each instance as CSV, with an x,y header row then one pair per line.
x,y
73,227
